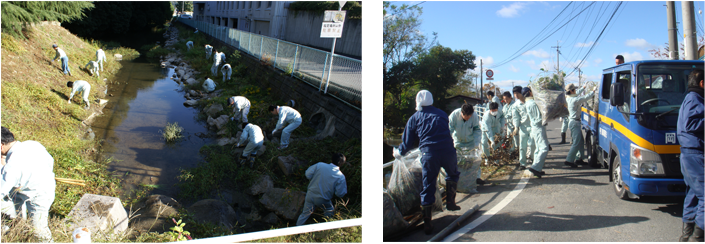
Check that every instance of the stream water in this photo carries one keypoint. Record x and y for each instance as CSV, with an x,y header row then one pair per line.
x,y
143,100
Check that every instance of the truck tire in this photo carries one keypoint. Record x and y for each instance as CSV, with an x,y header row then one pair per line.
x,y
617,183
591,152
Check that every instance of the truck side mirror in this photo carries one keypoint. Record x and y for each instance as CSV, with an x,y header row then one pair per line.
x,y
617,94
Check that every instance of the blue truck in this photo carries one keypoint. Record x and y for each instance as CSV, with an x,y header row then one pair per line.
x,y
630,126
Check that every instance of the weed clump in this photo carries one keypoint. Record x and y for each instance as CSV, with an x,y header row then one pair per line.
x,y
172,132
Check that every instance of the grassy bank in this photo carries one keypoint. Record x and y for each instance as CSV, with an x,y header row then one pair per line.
x,y
34,107
219,172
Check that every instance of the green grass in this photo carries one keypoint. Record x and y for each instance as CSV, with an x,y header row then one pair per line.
x,y
172,132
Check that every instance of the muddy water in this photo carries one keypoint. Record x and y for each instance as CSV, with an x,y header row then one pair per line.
x,y
143,100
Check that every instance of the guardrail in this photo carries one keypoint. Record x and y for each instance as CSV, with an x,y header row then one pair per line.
x,y
308,64
281,232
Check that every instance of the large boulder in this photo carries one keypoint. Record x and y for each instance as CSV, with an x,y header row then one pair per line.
x,y
214,109
191,81
289,164
261,185
213,211
155,213
97,212
219,122
190,103
285,203
226,141
271,218
181,72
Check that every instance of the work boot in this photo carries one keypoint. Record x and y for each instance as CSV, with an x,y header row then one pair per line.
x,y
550,148
243,160
697,235
450,195
572,165
535,173
687,231
580,162
562,137
480,181
252,162
427,217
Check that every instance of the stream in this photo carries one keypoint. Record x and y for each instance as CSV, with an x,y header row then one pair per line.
x,y
142,99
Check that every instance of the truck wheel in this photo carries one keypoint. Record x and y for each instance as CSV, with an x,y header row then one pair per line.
x,y
591,154
617,180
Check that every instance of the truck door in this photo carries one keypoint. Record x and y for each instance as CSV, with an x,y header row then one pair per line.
x,y
604,107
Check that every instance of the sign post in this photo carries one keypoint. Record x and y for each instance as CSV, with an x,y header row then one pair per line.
x,y
489,74
332,27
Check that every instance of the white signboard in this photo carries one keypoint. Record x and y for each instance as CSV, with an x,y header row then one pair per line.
x,y
334,16
332,26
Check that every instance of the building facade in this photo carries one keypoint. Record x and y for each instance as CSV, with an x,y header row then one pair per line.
x,y
265,18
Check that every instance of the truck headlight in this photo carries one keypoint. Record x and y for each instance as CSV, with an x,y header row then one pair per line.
x,y
644,162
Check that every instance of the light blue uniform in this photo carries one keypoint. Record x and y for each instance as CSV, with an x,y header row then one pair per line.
x,y
521,118
538,134
227,71
466,134
208,85
326,180
100,58
574,102
508,112
64,60
28,181
253,134
496,99
564,125
209,50
490,127
83,87
289,116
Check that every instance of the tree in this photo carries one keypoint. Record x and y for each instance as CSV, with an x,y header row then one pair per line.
x,y
490,87
465,86
665,53
439,69
15,14
187,4
115,19
402,38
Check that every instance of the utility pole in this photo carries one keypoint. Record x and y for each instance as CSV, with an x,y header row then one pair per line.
x,y
672,30
689,30
480,80
558,62
580,83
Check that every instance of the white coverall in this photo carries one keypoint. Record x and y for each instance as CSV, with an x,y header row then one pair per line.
x,y
83,87
326,180
28,181
227,71
216,64
209,50
208,85
466,134
289,116
241,107
92,67
574,102
252,135
189,45
538,134
100,58
490,127
521,118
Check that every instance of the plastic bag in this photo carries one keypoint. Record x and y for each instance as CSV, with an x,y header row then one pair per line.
x,y
402,188
592,103
551,101
468,164
416,170
393,221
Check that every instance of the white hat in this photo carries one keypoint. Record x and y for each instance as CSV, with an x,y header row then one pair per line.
x,y
423,98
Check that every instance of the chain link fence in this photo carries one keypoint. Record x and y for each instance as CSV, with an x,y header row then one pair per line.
x,y
308,64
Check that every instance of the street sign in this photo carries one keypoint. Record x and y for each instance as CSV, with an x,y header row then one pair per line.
x,y
332,26
489,74
490,78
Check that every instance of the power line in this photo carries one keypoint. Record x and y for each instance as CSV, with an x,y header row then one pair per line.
x,y
598,37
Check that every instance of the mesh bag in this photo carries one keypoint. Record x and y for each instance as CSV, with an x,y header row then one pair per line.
x,y
468,164
402,188
393,221
592,103
550,98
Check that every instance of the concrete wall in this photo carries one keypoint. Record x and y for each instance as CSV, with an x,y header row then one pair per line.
x,y
304,27
348,120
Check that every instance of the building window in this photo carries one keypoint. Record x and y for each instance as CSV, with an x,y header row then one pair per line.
x,y
269,4
259,4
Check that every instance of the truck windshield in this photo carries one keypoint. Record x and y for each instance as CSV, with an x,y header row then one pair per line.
x,y
660,89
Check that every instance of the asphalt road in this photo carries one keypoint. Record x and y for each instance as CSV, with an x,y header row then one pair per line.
x,y
565,205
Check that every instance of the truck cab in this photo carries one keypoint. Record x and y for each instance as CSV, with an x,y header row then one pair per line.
x,y
630,129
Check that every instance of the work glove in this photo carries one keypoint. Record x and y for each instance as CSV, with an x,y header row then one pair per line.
x,y
491,144
69,101
397,154
238,145
274,131
516,130
232,118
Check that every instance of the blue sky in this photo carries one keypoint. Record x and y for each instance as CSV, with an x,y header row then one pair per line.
x,y
494,31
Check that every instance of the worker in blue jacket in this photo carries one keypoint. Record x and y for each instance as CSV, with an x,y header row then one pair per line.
x,y
690,136
429,128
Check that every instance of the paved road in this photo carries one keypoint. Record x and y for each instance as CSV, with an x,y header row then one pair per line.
x,y
565,205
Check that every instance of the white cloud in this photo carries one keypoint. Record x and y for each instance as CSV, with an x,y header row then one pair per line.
x,y
486,62
597,61
506,85
580,44
532,64
538,53
629,57
639,43
511,11
513,69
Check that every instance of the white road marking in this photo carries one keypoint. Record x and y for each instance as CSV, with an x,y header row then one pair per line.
x,y
487,215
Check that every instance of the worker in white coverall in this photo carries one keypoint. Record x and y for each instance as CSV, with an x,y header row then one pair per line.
x,y
216,63
227,71
92,67
253,137
208,85
521,118
241,107
209,50
100,58
326,180
288,116
28,182
574,102
189,45
222,56
464,126
509,123
80,86
490,127
538,133
60,54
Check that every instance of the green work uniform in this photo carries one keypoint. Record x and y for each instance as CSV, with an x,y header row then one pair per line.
x,y
576,149
490,127
466,134
538,134
521,119
508,111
